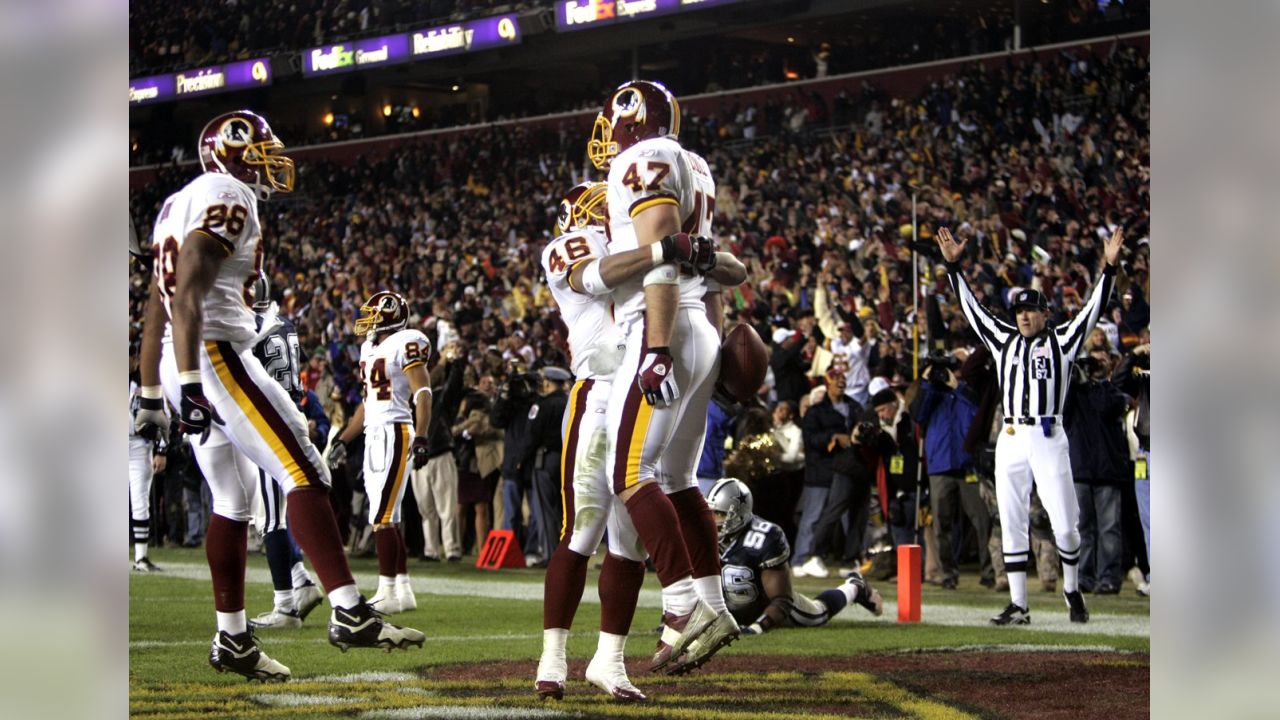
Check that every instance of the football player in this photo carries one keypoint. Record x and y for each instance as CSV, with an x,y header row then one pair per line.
x,y
394,416
658,190
197,349
580,273
146,457
295,593
756,574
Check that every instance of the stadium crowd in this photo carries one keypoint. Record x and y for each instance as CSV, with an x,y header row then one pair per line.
x,y
1034,162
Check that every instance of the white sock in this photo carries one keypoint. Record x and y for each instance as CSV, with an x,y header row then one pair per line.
x,y
300,575
345,597
553,665
386,584
1018,588
850,591
232,623
680,597
403,581
611,647
1070,577
139,551
711,592
284,600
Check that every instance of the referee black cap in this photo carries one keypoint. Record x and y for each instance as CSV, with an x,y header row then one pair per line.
x,y
1029,298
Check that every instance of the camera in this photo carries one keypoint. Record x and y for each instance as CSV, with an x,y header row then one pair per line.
x,y
866,429
521,386
939,367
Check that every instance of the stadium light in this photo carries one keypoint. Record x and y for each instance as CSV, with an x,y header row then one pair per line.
x,y
416,111
386,110
328,118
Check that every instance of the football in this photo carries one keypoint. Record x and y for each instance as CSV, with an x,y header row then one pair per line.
x,y
744,359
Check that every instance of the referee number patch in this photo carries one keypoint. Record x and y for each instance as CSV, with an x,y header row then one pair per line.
x,y
1040,368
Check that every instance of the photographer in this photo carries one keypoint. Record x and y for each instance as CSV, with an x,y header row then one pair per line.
x,y
1094,418
1134,377
892,436
946,411
512,412
547,440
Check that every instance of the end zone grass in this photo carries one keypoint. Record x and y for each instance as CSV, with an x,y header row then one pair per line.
x,y
480,619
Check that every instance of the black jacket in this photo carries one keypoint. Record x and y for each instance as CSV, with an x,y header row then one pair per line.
x,y
444,410
512,414
1094,417
820,424
546,430
901,442
789,368
1134,377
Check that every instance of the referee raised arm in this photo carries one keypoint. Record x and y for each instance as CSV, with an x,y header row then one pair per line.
x,y
1034,361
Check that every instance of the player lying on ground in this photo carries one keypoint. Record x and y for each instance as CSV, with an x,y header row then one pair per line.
x,y
757,575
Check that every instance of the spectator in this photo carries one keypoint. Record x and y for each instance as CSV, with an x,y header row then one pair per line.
x,y
898,457
1094,419
719,430
478,451
435,485
1134,377
946,412
548,415
829,492
513,413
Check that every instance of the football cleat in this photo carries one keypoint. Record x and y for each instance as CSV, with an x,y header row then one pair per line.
x,y
145,565
277,619
362,626
867,596
1012,615
678,631
611,677
719,634
307,597
1075,602
240,654
408,602
385,601
553,689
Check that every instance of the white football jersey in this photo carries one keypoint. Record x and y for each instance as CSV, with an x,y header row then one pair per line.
x,y
593,337
227,210
650,173
382,366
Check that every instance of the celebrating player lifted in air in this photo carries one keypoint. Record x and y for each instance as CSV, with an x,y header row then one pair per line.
x,y
581,274
394,416
1035,367
197,349
657,411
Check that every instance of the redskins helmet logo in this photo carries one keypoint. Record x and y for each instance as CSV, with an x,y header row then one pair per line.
x,y
565,218
235,132
628,103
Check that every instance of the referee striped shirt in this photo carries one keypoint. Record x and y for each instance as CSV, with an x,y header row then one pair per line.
x,y
1035,371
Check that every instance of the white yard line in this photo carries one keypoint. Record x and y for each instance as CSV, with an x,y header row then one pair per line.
x,y
934,614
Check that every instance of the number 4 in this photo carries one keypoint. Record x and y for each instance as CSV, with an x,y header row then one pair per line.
x,y
631,178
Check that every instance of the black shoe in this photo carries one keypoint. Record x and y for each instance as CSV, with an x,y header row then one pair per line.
x,y
949,584
240,654
987,582
362,626
1012,615
455,558
1107,588
1075,601
428,558
145,565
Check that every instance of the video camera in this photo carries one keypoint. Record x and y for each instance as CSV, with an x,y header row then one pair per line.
x,y
939,366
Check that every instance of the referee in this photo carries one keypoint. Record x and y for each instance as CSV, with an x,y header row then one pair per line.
x,y
1035,371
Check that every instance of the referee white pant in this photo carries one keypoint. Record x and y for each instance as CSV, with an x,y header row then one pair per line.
x,y
1027,456
140,489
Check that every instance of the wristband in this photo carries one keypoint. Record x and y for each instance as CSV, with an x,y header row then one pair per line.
x,y
660,349
151,392
655,250
420,390
662,275
189,377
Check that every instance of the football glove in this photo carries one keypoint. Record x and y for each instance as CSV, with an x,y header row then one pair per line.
x,y
336,455
419,452
657,377
704,256
196,414
150,421
690,252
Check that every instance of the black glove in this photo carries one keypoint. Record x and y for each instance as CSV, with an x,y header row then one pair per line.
x,y
690,252
419,452
704,255
195,413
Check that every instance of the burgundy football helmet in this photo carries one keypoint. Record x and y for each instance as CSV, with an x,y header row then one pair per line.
x,y
242,145
384,311
583,205
637,110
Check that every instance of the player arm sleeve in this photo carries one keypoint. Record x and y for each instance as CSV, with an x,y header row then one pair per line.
x,y
1072,334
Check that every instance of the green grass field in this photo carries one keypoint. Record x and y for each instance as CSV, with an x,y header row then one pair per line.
x,y
484,634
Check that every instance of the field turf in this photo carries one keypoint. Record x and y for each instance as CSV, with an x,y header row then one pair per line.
x,y
484,633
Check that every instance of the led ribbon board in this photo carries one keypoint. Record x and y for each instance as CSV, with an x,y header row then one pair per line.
x,y
200,81
583,14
